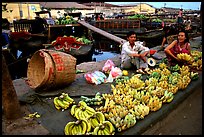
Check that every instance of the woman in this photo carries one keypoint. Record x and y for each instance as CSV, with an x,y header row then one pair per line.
x,y
134,53
181,45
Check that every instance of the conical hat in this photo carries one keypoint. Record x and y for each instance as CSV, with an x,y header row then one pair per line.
x,y
151,62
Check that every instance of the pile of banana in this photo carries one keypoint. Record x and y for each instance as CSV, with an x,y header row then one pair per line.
x,y
184,57
79,127
82,110
64,101
97,100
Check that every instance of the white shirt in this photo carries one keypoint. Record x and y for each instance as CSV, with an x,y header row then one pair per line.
x,y
127,50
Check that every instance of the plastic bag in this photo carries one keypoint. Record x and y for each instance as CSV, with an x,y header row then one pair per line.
x,y
108,66
116,72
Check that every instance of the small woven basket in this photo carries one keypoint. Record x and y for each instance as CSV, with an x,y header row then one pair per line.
x,y
50,69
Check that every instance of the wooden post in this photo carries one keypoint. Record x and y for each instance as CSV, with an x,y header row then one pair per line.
x,y
11,105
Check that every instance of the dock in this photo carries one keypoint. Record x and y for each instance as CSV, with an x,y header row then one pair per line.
x,y
54,121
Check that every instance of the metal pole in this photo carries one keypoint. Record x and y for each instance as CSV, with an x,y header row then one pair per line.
x,y
20,10
28,11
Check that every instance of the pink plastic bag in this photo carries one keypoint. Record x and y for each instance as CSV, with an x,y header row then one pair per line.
x,y
108,65
116,72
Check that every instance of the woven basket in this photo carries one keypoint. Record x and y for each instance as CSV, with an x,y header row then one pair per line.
x,y
50,69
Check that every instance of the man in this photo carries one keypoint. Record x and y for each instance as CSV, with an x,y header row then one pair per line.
x,y
134,54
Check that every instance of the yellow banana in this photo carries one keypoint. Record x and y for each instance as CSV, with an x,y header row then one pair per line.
x,y
68,98
61,104
86,114
82,104
57,106
90,110
68,128
84,126
74,130
99,132
81,115
94,122
96,129
76,114
88,125
111,127
73,109
106,131
67,104
100,117
80,130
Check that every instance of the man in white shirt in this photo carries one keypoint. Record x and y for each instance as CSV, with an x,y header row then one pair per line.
x,y
134,53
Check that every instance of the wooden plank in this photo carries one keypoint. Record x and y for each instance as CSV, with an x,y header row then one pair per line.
x,y
102,32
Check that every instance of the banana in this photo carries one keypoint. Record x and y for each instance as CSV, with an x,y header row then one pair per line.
x,y
100,117
81,115
61,104
90,110
74,130
68,128
82,104
76,114
88,125
111,127
106,131
94,122
84,126
68,98
57,106
96,129
73,109
86,114
100,132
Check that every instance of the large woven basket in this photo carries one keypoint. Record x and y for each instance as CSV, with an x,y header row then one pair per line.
x,y
51,69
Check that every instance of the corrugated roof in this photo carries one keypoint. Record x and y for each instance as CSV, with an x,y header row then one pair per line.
x,y
63,5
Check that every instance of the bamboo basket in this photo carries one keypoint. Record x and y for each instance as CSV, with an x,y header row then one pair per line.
x,y
51,69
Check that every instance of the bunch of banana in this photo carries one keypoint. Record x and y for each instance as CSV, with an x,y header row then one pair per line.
x,y
82,111
122,79
197,64
96,119
154,70
167,97
106,128
185,81
153,81
163,84
173,88
184,70
184,57
154,103
159,91
136,83
129,121
162,65
63,101
79,127
97,100
140,111
145,98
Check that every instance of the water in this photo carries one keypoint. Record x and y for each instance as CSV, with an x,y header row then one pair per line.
x,y
104,55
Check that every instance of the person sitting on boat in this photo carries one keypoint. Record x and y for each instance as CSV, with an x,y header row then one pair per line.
x,y
134,53
181,45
